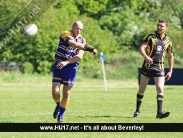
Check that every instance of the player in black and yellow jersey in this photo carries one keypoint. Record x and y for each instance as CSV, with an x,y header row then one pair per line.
x,y
153,49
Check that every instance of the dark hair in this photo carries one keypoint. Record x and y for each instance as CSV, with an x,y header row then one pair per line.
x,y
163,21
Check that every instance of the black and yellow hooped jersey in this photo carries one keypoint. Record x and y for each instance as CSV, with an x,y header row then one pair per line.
x,y
64,50
157,48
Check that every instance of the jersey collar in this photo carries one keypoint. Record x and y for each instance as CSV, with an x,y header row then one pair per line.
x,y
158,35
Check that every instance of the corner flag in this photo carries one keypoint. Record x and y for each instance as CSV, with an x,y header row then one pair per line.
x,y
102,59
102,56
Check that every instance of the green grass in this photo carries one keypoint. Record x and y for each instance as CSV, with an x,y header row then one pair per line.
x,y
28,99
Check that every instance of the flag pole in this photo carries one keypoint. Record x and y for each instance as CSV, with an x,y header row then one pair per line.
x,y
103,70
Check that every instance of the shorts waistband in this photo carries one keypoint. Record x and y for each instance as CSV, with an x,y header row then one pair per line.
x,y
73,64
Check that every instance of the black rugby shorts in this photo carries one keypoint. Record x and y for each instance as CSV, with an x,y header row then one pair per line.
x,y
150,72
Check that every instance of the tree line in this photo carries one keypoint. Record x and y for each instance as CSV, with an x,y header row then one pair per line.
x,y
114,27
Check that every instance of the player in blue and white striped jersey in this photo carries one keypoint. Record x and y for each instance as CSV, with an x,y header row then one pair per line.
x,y
70,50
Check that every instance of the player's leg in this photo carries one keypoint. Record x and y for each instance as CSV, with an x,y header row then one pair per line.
x,y
159,81
56,97
142,87
56,82
64,102
68,78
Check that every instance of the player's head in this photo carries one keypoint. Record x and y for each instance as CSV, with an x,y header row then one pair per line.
x,y
77,28
162,26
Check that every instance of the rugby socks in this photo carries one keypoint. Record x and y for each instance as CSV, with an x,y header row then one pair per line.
x,y
57,101
139,101
159,103
63,106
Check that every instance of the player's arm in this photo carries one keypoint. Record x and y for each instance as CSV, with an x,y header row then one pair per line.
x,y
85,47
74,59
170,63
142,50
70,40
143,53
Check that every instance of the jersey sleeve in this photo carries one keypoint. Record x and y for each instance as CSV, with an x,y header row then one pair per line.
x,y
66,34
147,38
170,49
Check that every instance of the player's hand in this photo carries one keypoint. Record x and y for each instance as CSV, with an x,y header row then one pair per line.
x,y
168,76
94,52
61,64
149,60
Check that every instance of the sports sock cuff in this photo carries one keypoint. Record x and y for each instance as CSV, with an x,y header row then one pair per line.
x,y
64,104
139,97
57,100
160,97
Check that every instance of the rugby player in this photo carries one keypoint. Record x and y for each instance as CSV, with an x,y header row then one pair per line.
x,y
70,50
153,49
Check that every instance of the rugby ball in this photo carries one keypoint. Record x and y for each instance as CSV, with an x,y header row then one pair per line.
x,y
30,30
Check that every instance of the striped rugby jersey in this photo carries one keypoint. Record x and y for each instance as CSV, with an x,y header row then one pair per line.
x,y
66,51
157,48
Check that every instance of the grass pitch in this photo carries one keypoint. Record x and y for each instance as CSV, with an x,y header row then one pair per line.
x,y
27,98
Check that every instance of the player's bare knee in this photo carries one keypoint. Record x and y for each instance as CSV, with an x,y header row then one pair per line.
x,y
55,92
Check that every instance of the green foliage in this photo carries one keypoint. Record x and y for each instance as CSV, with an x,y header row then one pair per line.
x,y
112,27
91,7
66,6
27,68
123,65
44,67
120,25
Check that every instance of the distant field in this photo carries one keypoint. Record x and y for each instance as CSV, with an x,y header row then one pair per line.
x,y
27,98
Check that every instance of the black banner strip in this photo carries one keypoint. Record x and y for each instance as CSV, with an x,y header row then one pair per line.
x,y
91,127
